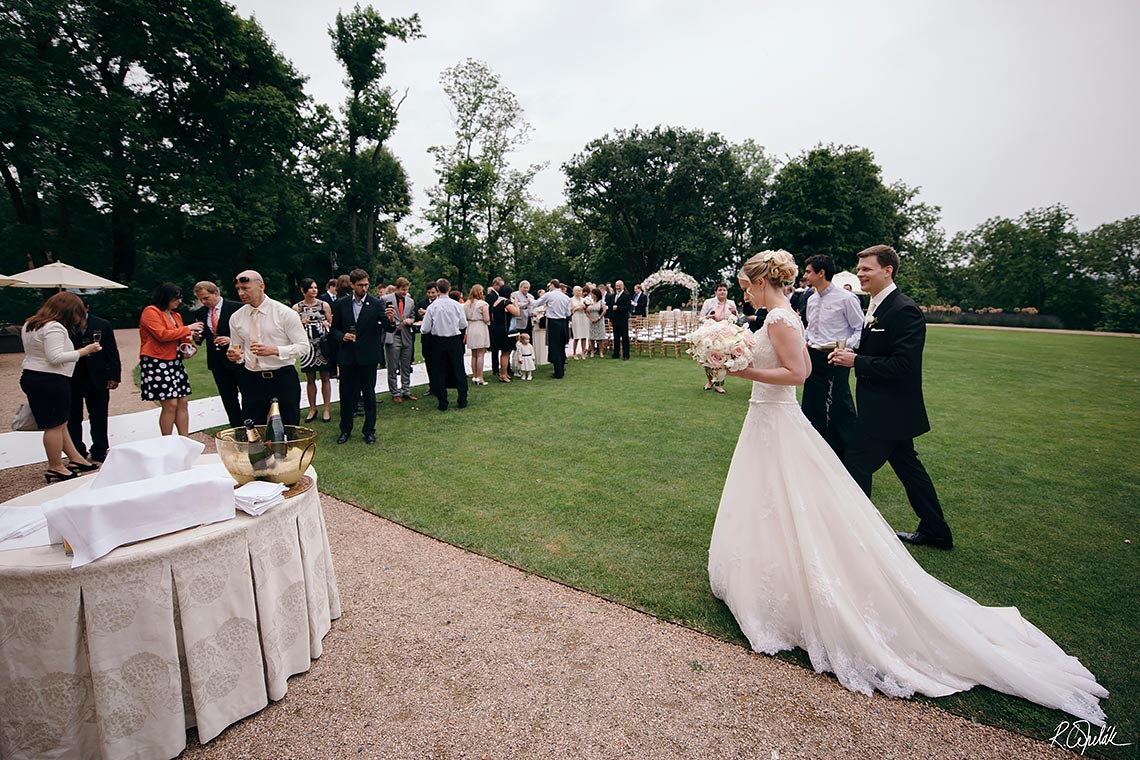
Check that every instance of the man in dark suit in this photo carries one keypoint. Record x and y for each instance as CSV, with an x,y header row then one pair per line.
x,y
619,318
358,325
492,298
798,299
431,291
215,314
639,305
330,296
95,376
888,391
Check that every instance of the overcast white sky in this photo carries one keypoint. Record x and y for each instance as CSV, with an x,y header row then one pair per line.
x,y
993,107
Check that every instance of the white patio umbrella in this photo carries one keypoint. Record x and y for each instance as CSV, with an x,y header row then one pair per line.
x,y
60,275
847,278
6,280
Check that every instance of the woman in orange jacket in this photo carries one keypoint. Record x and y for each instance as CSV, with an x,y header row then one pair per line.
x,y
161,374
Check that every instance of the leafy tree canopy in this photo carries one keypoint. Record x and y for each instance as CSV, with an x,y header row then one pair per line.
x,y
667,197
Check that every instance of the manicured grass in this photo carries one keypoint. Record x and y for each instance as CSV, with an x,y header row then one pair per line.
x,y
609,481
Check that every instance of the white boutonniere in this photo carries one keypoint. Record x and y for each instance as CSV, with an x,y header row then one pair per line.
x,y
872,322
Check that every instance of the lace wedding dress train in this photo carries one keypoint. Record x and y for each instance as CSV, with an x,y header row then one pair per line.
x,y
804,559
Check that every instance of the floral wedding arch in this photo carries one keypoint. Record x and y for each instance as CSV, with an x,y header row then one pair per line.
x,y
670,277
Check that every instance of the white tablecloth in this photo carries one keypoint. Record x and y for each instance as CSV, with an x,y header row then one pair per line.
x,y
118,658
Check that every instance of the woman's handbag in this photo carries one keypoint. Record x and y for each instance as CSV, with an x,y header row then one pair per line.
x,y
24,420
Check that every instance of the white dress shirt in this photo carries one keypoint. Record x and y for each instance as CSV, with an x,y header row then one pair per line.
x,y
49,349
272,323
832,315
444,318
556,302
877,299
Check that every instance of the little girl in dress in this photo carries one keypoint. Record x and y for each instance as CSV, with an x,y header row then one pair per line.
x,y
526,356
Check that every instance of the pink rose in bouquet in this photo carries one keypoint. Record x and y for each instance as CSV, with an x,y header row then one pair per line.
x,y
722,347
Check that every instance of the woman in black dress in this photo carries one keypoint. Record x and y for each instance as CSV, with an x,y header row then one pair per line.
x,y
49,361
500,321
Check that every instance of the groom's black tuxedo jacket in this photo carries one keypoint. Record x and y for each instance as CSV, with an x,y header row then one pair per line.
x,y
889,371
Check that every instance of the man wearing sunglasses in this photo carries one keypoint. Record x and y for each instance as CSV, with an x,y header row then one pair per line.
x,y
268,337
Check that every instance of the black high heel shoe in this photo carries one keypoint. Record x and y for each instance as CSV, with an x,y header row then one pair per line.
x,y
312,418
52,476
76,467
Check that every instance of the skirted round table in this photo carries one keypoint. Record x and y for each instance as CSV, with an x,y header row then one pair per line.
x,y
202,627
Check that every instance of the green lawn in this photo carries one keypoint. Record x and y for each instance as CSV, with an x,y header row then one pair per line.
x,y
609,481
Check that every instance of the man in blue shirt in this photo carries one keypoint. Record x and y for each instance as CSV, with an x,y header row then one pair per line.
x,y
834,320
445,322
557,319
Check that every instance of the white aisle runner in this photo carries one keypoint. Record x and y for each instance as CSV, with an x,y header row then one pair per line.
x,y
19,449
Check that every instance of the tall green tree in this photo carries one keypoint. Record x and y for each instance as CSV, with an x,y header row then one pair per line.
x,y
544,244
480,194
925,263
668,198
173,130
1112,257
1034,260
832,200
371,186
1112,252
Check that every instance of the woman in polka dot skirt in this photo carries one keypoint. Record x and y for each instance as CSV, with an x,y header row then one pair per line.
x,y
162,376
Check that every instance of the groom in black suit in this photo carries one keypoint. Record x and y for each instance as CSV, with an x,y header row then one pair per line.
x,y
888,369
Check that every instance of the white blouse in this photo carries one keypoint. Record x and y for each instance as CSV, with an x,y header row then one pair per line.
x,y
49,349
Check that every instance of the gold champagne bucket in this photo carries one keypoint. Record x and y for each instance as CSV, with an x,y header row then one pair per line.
x,y
276,462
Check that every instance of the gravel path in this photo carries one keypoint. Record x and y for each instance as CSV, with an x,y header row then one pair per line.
x,y
445,654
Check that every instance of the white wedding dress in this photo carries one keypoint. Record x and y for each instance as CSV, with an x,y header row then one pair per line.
x,y
804,559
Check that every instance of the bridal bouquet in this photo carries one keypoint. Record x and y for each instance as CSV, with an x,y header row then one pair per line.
x,y
721,347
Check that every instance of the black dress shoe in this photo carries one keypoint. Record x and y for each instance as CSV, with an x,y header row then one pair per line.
x,y
342,438
462,404
370,439
918,538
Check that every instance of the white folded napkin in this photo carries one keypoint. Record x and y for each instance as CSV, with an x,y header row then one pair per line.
x,y
17,522
96,520
259,496
150,458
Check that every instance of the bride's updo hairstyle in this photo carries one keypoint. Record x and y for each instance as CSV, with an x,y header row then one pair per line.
x,y
777,267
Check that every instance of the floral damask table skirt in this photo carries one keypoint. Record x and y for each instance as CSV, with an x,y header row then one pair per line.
x,y
118,658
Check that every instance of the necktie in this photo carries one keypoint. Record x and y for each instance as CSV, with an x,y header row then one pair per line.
x,y
214,319
400,308
254,337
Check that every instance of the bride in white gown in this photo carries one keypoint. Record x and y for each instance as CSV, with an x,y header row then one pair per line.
x,y
804,559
